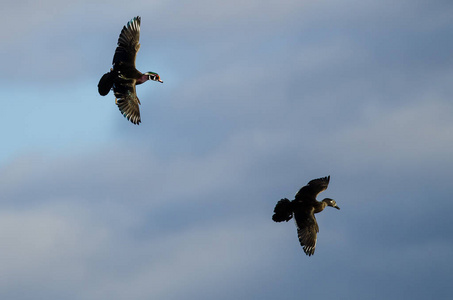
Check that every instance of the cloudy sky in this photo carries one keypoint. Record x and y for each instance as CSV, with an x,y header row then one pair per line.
x,y
259,97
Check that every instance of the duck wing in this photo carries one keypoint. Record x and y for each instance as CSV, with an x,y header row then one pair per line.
x,y
307,230
128,44
312,189
127,100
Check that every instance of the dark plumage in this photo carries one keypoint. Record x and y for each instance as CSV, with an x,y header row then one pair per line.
x,y
303,208
123,77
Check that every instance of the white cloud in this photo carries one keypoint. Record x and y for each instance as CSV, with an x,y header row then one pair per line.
x,y
44,248
72,250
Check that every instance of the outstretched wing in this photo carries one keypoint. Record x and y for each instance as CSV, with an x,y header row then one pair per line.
x,y
312,189
307,229
127,100
128,43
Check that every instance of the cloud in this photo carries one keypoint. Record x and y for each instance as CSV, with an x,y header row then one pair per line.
x,y
401,137
74,246
44,248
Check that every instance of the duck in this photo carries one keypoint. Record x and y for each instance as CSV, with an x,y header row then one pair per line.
x,y
303,208
123,76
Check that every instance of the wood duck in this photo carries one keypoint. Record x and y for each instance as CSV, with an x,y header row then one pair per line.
x,y
303,208
123,77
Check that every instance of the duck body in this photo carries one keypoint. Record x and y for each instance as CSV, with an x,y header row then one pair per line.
x,y
123,76
303,208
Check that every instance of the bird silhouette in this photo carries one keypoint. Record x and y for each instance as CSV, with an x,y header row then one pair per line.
x,y
303,208
123,77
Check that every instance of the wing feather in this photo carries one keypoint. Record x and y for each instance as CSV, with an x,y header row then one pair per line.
x,y
128,43
307,229
127,100
312,189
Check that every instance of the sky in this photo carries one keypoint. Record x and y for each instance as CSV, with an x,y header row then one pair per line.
x,y
259,97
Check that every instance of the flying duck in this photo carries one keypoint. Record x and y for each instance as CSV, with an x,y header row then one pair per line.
x,y
303,208
123,77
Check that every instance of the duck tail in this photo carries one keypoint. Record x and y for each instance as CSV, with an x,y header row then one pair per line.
x,y
106,83
283,211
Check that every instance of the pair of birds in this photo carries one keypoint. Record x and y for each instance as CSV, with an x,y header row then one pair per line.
x,y
123,78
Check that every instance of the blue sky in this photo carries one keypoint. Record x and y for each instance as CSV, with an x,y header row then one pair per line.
x,y
259,97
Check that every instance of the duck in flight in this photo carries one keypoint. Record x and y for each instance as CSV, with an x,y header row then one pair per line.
x,y
303,208
123,77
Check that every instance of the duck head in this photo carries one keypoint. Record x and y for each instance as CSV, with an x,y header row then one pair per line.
x,y
331,202
153,76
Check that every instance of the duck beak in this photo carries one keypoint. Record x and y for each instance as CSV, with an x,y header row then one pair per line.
x,y
337,207
160,80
